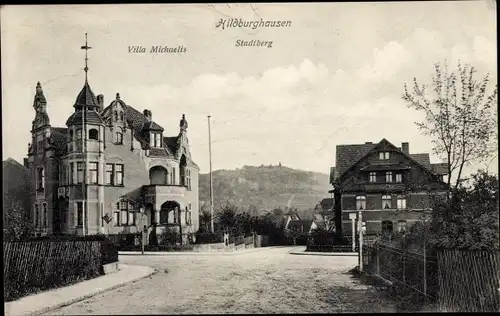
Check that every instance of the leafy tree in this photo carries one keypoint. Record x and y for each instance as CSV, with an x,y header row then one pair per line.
x,y
17,224
227,217
469,220
459,115
205,220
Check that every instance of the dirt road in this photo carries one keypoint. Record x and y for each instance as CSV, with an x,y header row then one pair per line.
x,y
264,281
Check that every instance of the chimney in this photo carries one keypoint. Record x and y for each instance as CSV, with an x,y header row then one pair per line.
x,y
148,115
406,148
100,102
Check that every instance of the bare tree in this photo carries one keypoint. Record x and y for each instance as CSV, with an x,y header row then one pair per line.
x,y
460,115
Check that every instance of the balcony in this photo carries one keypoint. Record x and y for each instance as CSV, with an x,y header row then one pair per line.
x,y
157,194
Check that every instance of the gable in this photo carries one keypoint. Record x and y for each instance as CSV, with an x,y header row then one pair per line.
x,y
385,145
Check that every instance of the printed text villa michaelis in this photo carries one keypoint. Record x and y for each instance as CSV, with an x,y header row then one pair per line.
x,y
158,49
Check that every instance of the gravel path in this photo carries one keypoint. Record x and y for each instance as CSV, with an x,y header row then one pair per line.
x,y
263,281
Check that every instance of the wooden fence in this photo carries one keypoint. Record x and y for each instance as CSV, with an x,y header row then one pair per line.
x,y
469,281
455,280
33,266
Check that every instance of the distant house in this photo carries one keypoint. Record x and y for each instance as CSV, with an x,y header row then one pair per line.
x,y
16,187
389,184
293,222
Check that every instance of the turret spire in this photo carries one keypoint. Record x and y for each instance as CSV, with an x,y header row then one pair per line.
x,y
86,47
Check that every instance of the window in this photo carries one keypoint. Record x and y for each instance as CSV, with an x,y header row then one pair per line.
x,y
79,172
71,135
386,202
41,178
37,215
188,179
39,144
401,202
402,226
386,227
109,174
156,140
79,214
45,216
361,202
121,116
388,176
126,214
118,138
116,218
94,134
66,174
399,177
116,116
78,134
93,172
119,174
72,170
383,155
373,177
174,182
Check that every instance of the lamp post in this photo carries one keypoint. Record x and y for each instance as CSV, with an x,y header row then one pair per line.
x,y
141,209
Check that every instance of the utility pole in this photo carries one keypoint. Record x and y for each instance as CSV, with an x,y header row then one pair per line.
x,y
211,180
84,152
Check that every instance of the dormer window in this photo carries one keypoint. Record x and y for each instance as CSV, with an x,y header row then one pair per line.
x,y
79,134
121,116
116,116
383,155
156,140
118,138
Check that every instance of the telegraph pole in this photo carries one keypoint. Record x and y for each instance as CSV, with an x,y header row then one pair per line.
x,y
211,180
84,152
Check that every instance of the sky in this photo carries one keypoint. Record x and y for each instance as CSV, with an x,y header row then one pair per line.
x,y
334,76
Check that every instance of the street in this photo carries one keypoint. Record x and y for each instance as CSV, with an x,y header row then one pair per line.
x,y
267,280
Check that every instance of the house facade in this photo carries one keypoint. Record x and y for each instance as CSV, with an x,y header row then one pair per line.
x,y
391,186
110,170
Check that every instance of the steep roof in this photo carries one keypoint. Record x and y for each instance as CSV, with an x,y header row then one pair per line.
x,y
86,98
91,117
347,155
422,159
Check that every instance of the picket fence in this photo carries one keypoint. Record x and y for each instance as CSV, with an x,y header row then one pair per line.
x,y
30,267
454,280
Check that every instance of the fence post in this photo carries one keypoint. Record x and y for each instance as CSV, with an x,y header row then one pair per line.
x,y
378,259
360,220
425,273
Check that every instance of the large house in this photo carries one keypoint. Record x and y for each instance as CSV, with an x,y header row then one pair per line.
x,y
110,170
390,185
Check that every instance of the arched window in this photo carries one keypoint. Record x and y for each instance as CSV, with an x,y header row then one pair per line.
x,y
94,134
40,178
121,116
116,116
118,138
37,215
361,202
386,202
70,134
158,176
